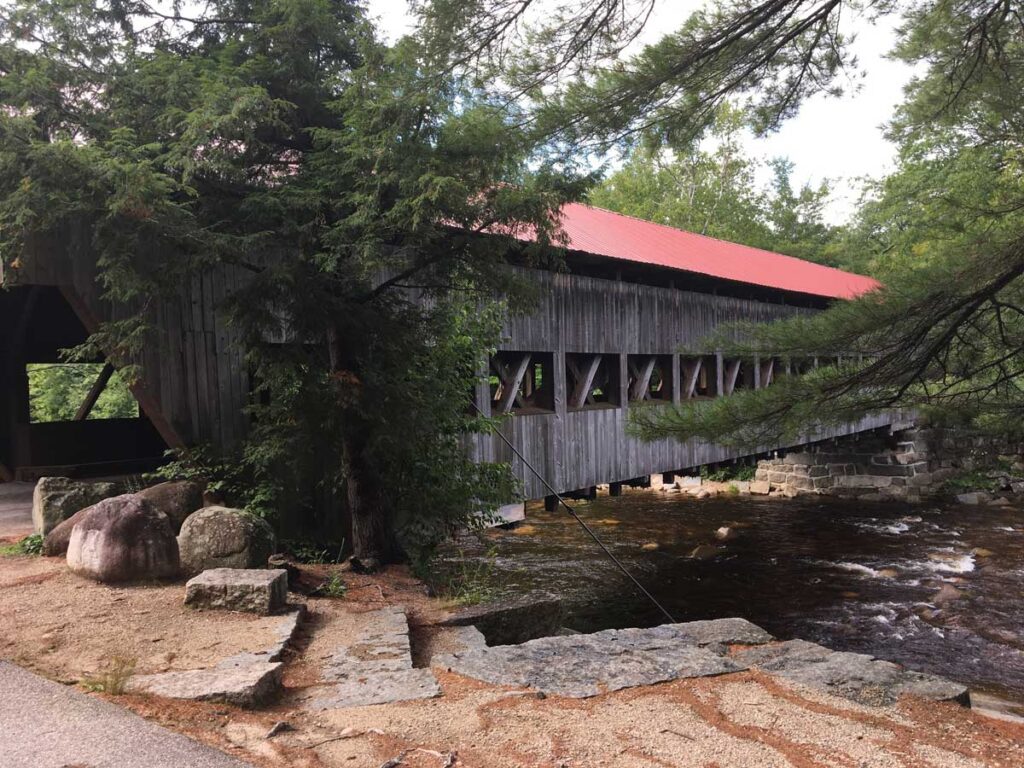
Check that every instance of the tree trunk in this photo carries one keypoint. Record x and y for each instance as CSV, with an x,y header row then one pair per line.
x,y
374,543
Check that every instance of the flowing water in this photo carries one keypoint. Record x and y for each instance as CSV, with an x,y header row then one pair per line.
x,y
937,589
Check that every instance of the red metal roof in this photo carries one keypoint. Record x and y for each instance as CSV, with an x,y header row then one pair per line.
x,y
605,233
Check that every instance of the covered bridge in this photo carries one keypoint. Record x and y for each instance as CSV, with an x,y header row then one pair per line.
x,y
610,331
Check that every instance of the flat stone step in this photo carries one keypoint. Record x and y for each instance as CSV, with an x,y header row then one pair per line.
x,y
245,679
247,685
376,668
579,666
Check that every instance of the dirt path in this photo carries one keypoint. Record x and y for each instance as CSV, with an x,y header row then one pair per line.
x,y
743,720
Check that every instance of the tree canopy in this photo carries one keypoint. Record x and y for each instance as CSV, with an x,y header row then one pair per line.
x,y
711,187
285,139
346,175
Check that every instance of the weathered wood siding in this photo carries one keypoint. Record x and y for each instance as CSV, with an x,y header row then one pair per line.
x,y
575,449
195,384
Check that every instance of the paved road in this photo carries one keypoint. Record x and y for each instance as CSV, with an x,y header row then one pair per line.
x,y
15,509
47,725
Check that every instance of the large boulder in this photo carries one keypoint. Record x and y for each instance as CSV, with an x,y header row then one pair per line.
x,y
177,499
221,537
123,539
57,498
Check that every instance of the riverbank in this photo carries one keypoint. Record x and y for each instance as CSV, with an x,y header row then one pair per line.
x,y
933,587
69,629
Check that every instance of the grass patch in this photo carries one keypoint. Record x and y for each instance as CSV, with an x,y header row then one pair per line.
x,y
470,583
970,480
312,552
333,587
112,677
30,545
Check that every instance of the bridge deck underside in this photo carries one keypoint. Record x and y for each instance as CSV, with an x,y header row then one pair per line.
x,y
588,448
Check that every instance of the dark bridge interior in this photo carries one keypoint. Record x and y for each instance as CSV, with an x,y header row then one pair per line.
x,y
38,323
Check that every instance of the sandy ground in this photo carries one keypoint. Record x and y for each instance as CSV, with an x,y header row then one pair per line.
x,y
67,628
57,624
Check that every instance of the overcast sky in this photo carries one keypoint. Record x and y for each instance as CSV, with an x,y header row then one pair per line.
x,y
840,139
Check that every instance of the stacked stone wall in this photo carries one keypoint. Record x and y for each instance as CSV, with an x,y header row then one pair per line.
x,y
906,464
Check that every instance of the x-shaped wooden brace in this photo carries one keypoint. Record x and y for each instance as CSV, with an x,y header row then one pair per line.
x,y
691,375
511,378
732,373
640,389
584,380
767,371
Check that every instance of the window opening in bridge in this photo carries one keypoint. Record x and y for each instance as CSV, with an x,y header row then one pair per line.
x,y
699,374
76,392
592,381
770,369
522,382
738,375
650,378
801,365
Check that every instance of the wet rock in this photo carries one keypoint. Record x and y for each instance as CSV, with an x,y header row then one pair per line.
x,y
177,499
760,487
725,533
244,686
973,498
705,552
221,537
57,498
512,621
235,589
650,546
946,594
982,552
124,539
1002,501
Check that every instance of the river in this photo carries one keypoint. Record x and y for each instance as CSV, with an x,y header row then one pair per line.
x,y
936,588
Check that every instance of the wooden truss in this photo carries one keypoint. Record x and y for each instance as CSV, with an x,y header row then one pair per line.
x,y
510,382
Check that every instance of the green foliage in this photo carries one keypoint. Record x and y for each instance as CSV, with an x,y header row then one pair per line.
x,y
469,582
715,193
970,480
30,545
312,552
724,474
350,181
56,390
946,231
230,478
333,587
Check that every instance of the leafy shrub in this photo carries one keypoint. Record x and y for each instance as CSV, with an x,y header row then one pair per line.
x,y
741,472
30,545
